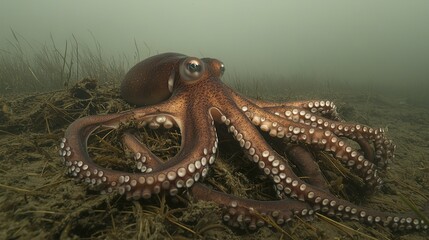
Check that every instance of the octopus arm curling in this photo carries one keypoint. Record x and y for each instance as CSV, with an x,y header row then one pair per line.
x,y
181,171
293,130
363,135
323,114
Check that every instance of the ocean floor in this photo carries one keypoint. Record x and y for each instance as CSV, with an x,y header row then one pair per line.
x,y
39,201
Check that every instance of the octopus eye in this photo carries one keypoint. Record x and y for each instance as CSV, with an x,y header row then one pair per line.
x,y
191,69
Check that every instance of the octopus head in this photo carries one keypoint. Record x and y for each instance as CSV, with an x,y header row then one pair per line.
x,y
155,79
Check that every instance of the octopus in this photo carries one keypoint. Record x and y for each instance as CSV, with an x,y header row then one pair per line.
x,y
174,90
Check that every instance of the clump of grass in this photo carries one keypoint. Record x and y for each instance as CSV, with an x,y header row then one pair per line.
x,y
26,67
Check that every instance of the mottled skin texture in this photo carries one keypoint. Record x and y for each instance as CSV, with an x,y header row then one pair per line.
x,y
188,93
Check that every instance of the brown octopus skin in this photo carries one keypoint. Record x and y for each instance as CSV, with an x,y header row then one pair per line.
x,y
187,92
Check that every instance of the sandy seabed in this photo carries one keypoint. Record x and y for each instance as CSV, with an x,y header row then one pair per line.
x,y
39,201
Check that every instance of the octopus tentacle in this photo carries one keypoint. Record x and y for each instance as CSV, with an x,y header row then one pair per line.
x,y
181,171
242,213
324,108
323,114
362,134
324,139
146,161
286,181
306,163
366,148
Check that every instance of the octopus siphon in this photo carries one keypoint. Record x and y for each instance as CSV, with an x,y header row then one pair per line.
x,y
174,90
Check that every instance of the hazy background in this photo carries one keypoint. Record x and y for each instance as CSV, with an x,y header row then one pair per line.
x,y
371,42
